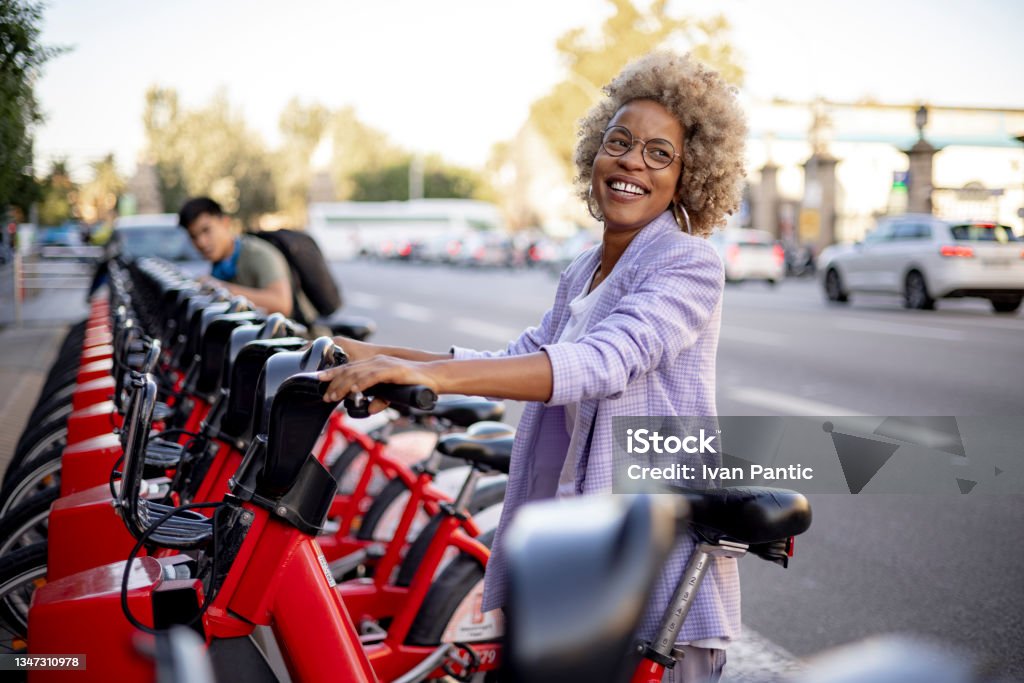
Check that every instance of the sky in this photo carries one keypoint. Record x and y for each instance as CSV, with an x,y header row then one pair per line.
x,y
456,76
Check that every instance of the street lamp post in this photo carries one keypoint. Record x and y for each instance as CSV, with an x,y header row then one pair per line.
x,y
919,186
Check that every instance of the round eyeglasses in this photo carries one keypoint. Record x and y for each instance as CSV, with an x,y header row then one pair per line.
x,y
657,153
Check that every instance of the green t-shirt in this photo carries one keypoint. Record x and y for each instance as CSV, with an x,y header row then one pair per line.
x,y
260,265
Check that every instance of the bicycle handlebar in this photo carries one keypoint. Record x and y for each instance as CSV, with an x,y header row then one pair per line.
x,y
408,395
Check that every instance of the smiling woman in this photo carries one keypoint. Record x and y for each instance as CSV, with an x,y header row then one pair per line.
x,y
633,329
714,130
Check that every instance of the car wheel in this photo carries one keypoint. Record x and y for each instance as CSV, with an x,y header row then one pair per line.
x,y
915,292
1007,305
834,287
772,282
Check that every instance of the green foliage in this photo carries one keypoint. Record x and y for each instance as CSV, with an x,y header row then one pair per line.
x,y
211,151
58,195
359,149
392,182
593,61
98,197
21,62
302,127
207,151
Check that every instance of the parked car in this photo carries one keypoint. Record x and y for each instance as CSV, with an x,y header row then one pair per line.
x,y
66,235
749,255
157,235
572,247
924,259
485,249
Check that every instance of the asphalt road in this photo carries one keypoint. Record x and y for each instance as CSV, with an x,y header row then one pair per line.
x,y
949,567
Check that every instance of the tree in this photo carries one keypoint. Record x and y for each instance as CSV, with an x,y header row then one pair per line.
x,y
21,62
391,182
97,198
358,148
209,151
593,61
161,120
302,127
58,195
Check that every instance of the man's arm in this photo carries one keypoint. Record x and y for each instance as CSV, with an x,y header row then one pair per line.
x,y
276,297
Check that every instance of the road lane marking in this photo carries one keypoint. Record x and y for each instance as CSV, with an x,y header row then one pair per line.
x,y
899,329
498,333
753,658
750,335
785,403
419,314
363,300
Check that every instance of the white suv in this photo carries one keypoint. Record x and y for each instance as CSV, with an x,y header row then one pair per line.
x,y
924,259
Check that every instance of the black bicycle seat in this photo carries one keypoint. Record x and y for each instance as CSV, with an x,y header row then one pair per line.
x,y
748,514
352,326
486,451
463,411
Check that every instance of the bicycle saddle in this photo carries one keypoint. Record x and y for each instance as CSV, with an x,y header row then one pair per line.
x,y
352,326
488,450
748,514
463,411
580,573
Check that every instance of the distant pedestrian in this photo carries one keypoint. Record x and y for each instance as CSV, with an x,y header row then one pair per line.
x,y
244,265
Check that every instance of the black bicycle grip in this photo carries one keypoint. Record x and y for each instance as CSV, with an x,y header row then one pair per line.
x,y
400,395
411,395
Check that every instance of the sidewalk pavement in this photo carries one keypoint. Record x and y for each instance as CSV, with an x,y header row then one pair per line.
x,y
26,354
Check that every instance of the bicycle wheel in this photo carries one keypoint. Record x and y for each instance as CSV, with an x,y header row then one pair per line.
x,y
37,432
30,478
21,573
61,397
28,522
451,610
39,451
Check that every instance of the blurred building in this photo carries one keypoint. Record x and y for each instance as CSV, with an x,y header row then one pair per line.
x,y
142,192
822,172
535,188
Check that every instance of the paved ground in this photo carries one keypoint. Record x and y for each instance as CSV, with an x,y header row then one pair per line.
x,y
26,353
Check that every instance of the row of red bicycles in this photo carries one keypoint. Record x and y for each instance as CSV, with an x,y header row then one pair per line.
x,y
185,505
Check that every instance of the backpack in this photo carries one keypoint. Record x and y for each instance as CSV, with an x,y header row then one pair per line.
x,y
309,269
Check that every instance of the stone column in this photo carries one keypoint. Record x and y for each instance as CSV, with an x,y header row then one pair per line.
x,y
766,208
818,210
919,184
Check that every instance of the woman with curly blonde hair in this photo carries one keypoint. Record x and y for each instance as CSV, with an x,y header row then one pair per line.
x,y
634,326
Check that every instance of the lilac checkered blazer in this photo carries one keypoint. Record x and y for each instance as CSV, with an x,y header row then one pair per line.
x,y
649,350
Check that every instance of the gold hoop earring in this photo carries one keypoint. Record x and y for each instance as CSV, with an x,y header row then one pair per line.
x,y
590,207
677,208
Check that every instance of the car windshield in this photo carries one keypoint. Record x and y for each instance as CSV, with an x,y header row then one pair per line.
x,y
984,232
164,242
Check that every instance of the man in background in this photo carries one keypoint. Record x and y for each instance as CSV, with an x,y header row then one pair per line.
x,y
242,264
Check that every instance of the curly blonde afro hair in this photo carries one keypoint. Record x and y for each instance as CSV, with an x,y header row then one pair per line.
x,y
716,131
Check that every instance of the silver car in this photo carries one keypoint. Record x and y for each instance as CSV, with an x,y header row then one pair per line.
x,y
749,255
924,259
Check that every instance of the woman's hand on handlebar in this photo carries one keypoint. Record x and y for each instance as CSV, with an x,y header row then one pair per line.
x,y
355,377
